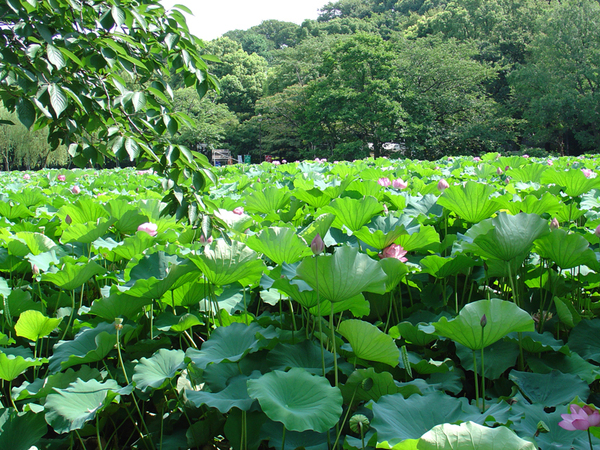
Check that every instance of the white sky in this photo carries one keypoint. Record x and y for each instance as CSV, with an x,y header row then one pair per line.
x,y
214,18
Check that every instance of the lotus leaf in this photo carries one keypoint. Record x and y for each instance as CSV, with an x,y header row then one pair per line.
x,y
369,342
33,325
153,372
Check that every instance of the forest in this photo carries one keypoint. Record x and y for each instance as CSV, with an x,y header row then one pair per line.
x,y
433,77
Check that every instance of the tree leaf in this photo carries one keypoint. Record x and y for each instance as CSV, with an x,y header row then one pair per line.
x,y
58,99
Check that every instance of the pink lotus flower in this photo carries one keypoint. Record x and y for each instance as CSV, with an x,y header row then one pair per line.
x,y
206,241
75,189
554,224
276,163
385,182
283,161
399,184
442,185
525,156
476,159
550,162
394,251
587,172
61,178
27,177
239,211
149,227
580,418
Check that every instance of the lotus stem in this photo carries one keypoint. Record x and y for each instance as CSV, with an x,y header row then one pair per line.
x,y
590,439
335,365
283,439
320,319
476,380
482,375
98,433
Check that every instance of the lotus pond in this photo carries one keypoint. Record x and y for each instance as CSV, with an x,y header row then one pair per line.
x,y
318,305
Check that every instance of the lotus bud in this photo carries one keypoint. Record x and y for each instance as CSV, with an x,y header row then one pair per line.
x,y
587,172
554,224
35,269
442,185
483,321
385,209
118,324
68,220
597,231
61,178
317,245
525,156
75,189
499,171
27,177
399,184
239,211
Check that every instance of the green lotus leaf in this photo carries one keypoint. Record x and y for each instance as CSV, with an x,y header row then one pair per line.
x,y
471,202
167,321
370,343
383,231
36,242
314,197
423,205
41,387
69,409
413,334
320,225
14,212
573,181
83,211
86,233
353,213
153,372
235,395
503,317
367,384
534,342
297,290
266,200
343,275
293,440
306,355
119,305
230,343
472,436
33,325
395,271
21,431
527,173
357,305
73,275
426,237
5,290
299,400
156,274
11,366
396,418
89,345
20,301
566,250
498,357
281,245
585,339
225,264
441,267
511,236
550,389
572,363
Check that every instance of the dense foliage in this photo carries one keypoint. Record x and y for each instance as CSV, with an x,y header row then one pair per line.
x,y
358,304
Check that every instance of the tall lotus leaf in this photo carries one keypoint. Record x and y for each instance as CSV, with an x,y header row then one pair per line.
x,y
225,264
527,173
297,290
367,384
33,325
472,436
280,245
471,202
11,366
573,181
83,211
427,236
546,204
157,273
306,355
585,340
21,431
441,267
550,389
357,305
512,235
383,231
299,400
230,344
14,211
5,290
502,316
566,250
86,233
73,275
396,418
423,205
153,372
119,305
41,387
266,200
314,197
320,225
353,213
395,270
36,242
369,342
89,345
343,275
68,409
235,395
